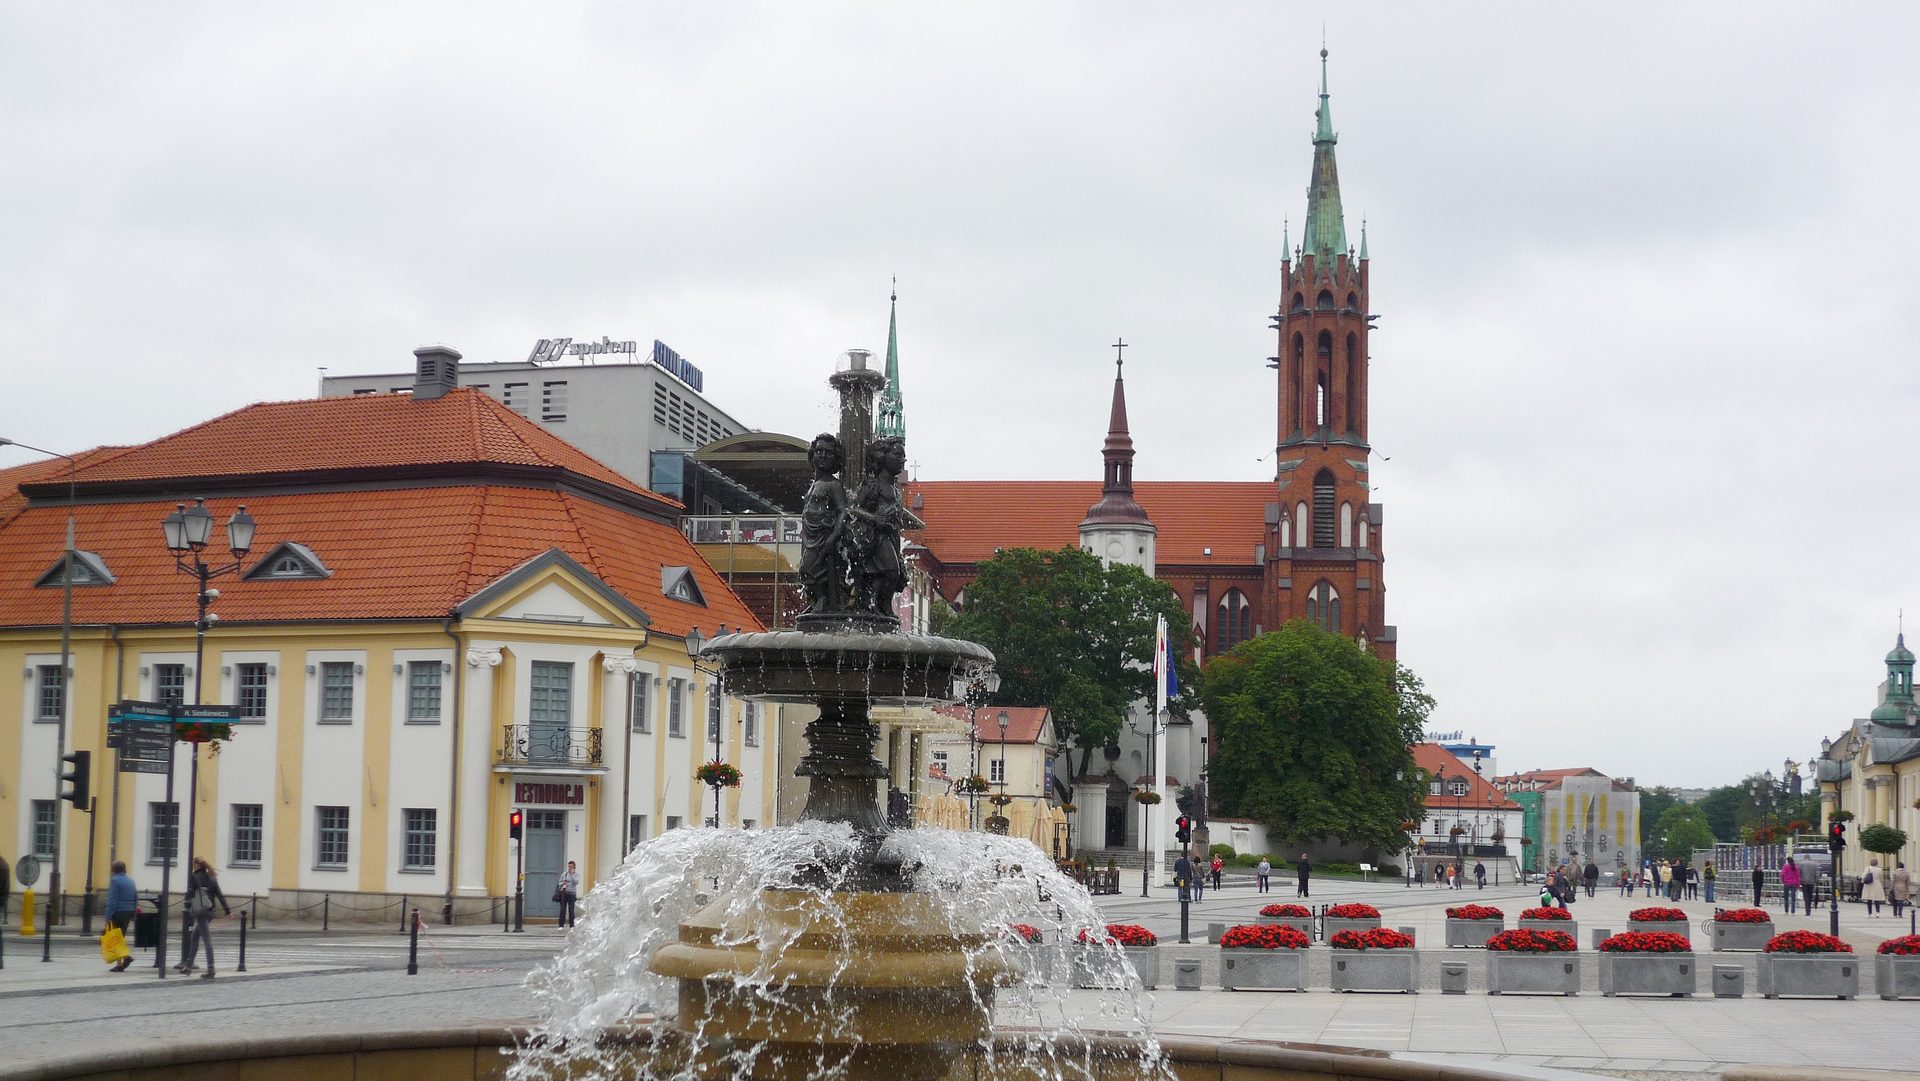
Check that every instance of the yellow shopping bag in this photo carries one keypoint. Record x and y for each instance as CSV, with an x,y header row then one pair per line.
x,y
113,946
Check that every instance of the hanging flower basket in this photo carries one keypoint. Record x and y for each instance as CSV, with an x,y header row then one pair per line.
x,y
1456,831
970,786
1001,800
1068,808
717,774
1840,816
1146,798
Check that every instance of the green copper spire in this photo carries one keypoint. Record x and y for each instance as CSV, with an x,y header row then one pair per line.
x,y
1286,240
1363,238
892,420
1326,235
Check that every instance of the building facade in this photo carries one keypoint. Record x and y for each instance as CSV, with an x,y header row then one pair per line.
x,y
447,615
1577,815
1873,769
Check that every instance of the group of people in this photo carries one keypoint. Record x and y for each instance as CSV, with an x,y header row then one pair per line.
x,y
1448,875
203,896
1675,879
1895,887
1191,881
1563,884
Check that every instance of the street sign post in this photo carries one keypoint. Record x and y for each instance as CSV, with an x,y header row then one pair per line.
x,y
146,746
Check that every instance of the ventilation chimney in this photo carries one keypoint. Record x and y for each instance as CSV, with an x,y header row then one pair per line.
x,y
437,371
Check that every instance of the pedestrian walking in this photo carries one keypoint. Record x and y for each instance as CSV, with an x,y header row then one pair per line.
x,y
1199,881
1183,877
1707,875
567,892
123,899
1218,866
203,892
1262,874
1759,884
1868,881
1480,873
1592,877
1902,892
1653,877
1626,882
1306,868
1439,873
1809,886
1789,883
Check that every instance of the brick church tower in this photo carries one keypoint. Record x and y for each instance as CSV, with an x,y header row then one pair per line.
x,y
1324,545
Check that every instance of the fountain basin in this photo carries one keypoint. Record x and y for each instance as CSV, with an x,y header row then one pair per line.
x,y
847,665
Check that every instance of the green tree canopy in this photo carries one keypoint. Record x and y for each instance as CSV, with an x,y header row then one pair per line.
x,y
1075,636
1311,731
1654,803
1682,829
1882,839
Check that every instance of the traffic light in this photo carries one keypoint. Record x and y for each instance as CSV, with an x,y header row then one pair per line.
x,y
1836,835
513,825
1183,829
76,785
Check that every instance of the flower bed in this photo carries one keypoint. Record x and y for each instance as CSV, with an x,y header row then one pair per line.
x,y
1647,963
1472,925
1743,915
1379,959
1742,929
1091,967
1122,934
1659,919
1025,932
1548,919
1525,961
1263,958
1896,968
1809,963
1290,910
1351,917
1298,917
1546,915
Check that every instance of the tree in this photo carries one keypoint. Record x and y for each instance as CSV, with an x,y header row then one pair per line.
x,y
1681,831
1311,732
1654,802
1882,839
1722,808
1075,636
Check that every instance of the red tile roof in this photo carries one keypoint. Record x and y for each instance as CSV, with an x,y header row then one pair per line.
x,y
357,433
43,471
1024,723
1480,792
1543,779
967,520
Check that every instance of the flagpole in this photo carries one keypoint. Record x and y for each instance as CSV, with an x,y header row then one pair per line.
x,y
1157,753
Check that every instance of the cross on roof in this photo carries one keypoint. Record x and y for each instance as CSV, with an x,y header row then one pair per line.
x,y
1119,352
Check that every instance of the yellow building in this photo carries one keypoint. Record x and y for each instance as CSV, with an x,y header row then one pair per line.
x,y
1873,770
445,614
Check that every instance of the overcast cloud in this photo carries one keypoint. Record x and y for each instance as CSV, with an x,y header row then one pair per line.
x,y
1645,365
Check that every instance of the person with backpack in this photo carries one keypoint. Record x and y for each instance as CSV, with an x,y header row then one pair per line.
x,y
203,892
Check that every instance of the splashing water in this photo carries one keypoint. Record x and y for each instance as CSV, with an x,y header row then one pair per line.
x,y
972,887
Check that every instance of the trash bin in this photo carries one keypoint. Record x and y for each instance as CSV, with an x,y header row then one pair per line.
x,y
146,930
1729,981
1453,977
1186,974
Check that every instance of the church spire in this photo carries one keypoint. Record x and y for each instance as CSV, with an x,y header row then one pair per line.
x,y
892,419
1116,503
1326,230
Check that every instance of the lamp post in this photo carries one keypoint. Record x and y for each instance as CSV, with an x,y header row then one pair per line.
x,y
717,703
1152,734
187,531
974,690
66,687
1000,818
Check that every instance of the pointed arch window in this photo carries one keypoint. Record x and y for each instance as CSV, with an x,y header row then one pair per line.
x,y
1286,531
1353,366
1323,606
1324,525
1363,532
1346,525
1296,367
1233,621
1323,302
1300,533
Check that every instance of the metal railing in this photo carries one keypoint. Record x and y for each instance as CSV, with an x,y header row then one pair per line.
x,y
541,745
741,528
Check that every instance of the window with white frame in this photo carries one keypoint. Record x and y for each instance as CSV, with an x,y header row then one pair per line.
x,y
676,707
996,771
250,690
163,831
249,834
332,836
423,692
419,838
674,821
715,706
170,683
46,814
550,701
638,686
336,692
636,830
939,762
51,703
750,724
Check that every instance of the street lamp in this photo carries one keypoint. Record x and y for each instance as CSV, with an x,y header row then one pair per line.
x,y
716,699
54,905
973,691
1152,735
1000,823
187,531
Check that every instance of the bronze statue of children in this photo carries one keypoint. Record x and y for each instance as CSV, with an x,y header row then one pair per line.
x,y
879,519
823,528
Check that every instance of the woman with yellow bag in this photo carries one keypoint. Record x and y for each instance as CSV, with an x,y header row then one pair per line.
x,y
122,900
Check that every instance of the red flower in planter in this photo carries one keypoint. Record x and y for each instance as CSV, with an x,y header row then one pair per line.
x,y
1353,911
1124,934
1657,915
1271,936
1545,914
1025,932
1646,942
1743,915
1291,911
1379,938
1806,942
1475,912
1904,946
1527,940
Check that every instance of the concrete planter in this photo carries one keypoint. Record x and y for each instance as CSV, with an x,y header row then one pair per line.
x,y
1742,936
1376,970
1571,927
1043,961
1334,926
1263,970
1088,967
1810,975
1510,973
1647,974
1302,924
1896,975
1672,927
1472,933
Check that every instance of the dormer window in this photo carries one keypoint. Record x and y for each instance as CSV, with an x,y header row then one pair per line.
x,y
678,584
290,560
88,570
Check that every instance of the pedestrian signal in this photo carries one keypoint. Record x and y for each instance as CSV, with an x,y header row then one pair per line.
x,y
513,824
1183,829
1837,835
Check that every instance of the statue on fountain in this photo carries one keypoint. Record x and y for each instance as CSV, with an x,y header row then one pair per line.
x,y
878,519
824,544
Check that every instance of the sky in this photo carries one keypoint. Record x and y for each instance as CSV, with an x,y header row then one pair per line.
x,y
1644,379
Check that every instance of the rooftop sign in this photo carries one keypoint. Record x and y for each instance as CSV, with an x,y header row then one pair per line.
x,y
547,350
676,365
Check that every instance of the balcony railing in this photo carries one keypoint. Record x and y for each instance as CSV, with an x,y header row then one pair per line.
x,y
540,745
741,528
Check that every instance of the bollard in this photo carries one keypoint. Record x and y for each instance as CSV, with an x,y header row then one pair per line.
x,y
403,913
506,920
242,967
1729,981
26,914
1186,974
1453,977
326,911
413,945
1600,934
253,911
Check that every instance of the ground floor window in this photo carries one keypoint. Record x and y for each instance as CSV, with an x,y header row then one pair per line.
x,y
636,830
249,821
421,838
331,838
45,815
163,831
